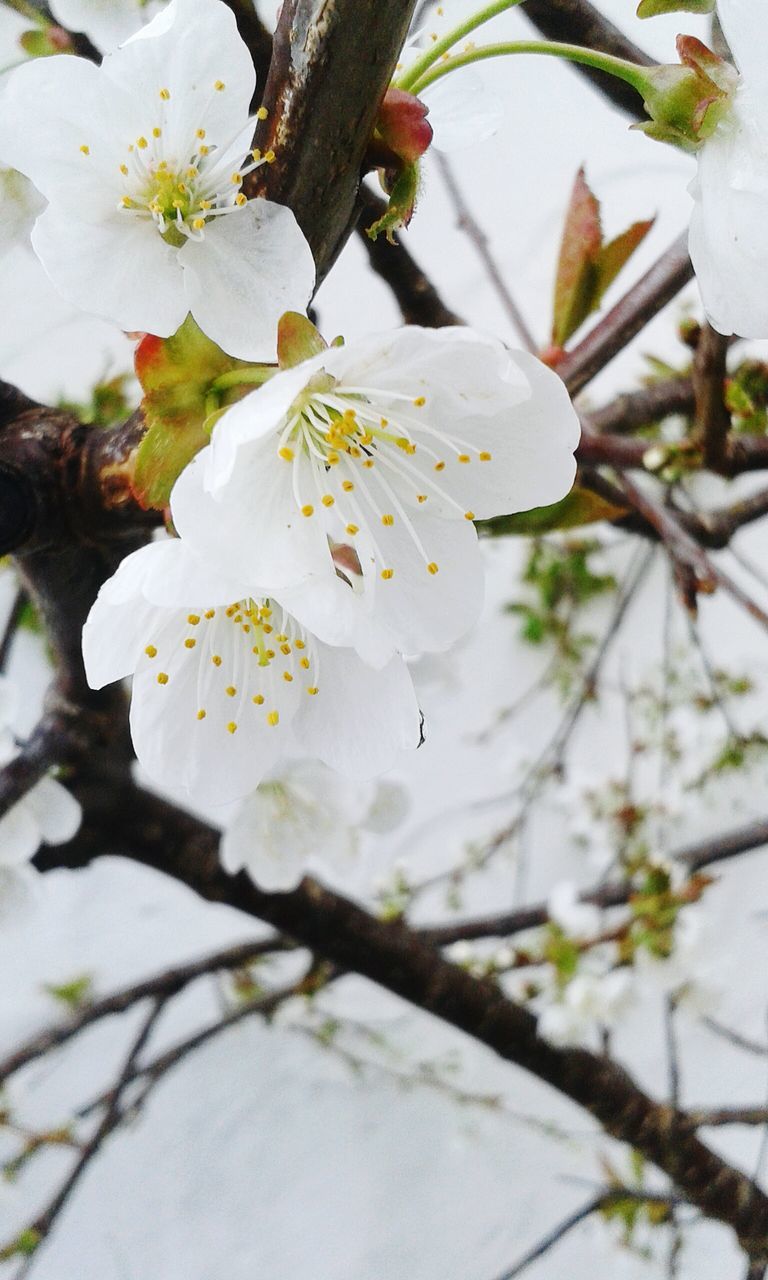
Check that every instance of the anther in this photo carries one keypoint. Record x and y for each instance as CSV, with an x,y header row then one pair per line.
x,y
307,510
420,401
287,677
193,619
312,689
216,660
165,94
347,486
352,529
219,85
432,568
190,643
387,574
463,457
285,453
485,456
86,150
469,515
230,691
232,727
258,698
162,677
262,113
328,499
151,651
273,718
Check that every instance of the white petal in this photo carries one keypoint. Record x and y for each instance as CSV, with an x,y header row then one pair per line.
x,y
743,24
19,835
20,204
360,719
120,269
462,111
187,49
107,23
56,811
251,266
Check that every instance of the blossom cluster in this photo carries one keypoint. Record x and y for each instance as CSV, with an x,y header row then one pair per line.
x,y
326,533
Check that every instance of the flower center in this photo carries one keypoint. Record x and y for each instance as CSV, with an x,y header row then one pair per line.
x,y
371,453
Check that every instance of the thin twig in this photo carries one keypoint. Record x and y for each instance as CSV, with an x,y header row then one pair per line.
x,y
713,421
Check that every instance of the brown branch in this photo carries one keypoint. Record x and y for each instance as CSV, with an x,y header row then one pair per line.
x,y
418,299
718,1117
628,317
712,421
635,409
166,984
147,829
11,626
332,63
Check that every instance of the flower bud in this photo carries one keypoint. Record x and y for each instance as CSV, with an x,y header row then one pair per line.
x,y
687,102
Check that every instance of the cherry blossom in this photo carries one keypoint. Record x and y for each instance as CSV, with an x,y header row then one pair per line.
x,y
107,23
142,162
368,464
727,237
226,680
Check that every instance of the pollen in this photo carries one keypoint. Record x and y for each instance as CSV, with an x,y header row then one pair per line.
x,y
86,150
230,691
307,510
328,499
262,113
387,574
432,568
347,486
258,698
285,453
151,651
190,643
219,85
352,529
273,718
216,659
485,456
201,714
231,727
162,677
388,519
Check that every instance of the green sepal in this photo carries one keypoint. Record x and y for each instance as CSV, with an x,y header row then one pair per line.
x,y
297,340
402,202
176,375
650,8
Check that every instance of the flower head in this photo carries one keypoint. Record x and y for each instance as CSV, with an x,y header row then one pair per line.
x,y
727,240
142,162
226,680
368,464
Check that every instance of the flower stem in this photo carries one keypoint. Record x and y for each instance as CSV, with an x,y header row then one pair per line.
x,y
439,47
619,67
249,375
28,11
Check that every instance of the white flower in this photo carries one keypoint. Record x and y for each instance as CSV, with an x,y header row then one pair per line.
x,y
107,23
141,161
728,244
389,448
588,1001
47,814
304,819
226,681
575,918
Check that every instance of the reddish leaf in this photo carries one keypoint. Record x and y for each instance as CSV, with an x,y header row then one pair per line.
x,y
579,250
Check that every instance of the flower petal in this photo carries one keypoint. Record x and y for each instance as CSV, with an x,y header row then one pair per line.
x,y
56,811
360,719
252,266
105,269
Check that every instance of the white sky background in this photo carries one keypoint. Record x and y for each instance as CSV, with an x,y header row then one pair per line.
x,y
261,1156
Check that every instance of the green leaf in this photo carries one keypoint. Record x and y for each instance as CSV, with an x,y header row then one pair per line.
x,y
616,255
650,8
297,340
176,374
579,251
580,507
74,994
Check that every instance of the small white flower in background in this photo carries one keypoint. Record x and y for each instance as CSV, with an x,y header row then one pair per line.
x,y
226,681
688,973
106,23
142,161
47,814
374,459
304,820
728,245
576,919
588,1002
